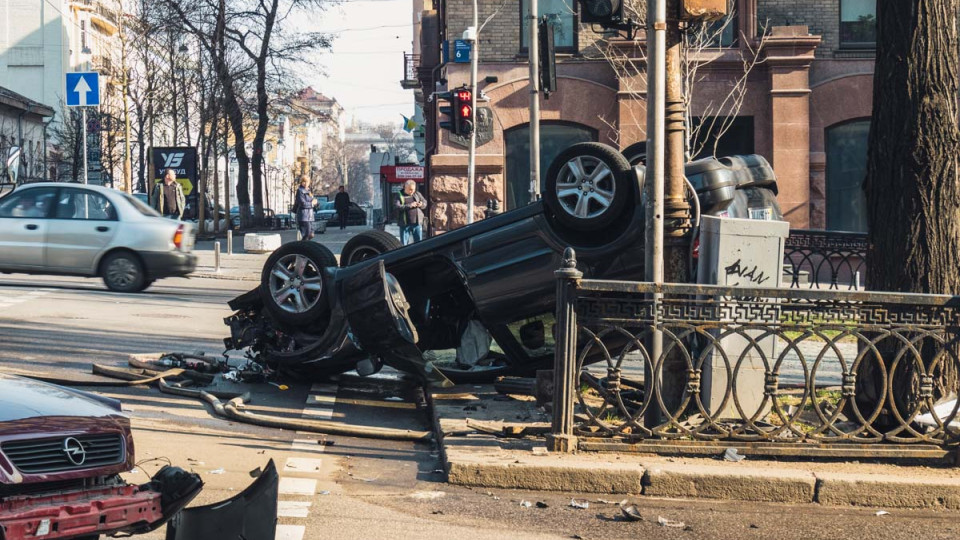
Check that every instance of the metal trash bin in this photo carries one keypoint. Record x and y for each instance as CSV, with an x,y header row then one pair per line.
x,y
740,253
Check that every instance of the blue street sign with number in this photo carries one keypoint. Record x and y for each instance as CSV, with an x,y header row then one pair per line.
x,y
461,51
83,89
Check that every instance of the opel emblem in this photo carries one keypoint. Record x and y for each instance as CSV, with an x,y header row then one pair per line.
x,y
74,451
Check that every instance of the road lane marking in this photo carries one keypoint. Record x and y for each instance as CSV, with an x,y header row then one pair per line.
x,y
293,509
298,486
302,465
310,446
290,532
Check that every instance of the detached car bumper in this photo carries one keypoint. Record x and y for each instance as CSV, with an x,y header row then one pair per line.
x,y
104,510
168,263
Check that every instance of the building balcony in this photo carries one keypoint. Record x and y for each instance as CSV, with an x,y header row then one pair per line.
x,y
410,64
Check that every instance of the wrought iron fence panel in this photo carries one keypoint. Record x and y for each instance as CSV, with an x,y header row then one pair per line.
x,y
815,259
765,365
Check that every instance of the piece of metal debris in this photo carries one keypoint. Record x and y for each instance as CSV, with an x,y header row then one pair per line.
x,y
541,504
577,504
731,455
631,513
217,471
664,522
881,513
525,504
256,472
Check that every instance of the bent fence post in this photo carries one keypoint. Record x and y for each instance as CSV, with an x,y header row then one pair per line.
x,y
565,356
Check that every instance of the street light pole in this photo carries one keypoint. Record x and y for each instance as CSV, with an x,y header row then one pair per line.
x,y
533,51
472,34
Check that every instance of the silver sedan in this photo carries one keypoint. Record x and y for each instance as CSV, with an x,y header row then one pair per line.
x,y
71,229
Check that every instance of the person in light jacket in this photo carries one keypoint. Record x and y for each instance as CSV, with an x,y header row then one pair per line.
x,y
303,207
410,204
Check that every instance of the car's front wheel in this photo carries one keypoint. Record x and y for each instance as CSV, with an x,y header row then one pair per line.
x,y
588,186
292,284
367,245
123,272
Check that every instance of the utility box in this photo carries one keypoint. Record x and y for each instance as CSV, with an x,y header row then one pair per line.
x,y
739,253
702,10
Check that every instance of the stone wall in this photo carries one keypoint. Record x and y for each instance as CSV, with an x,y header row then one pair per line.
x,y
821,16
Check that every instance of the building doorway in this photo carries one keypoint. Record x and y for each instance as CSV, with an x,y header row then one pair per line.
x,y
846,170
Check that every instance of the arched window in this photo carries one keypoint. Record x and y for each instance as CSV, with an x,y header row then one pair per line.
x,y
846,170
555,137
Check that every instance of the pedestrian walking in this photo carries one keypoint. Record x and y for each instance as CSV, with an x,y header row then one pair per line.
x,y
303,208
342,203
168,196
411,204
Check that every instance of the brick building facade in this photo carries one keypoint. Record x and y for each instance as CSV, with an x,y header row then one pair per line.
x,y
806,107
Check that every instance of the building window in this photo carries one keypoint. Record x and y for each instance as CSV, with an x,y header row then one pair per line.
x,y
83,36
721,136
718,34
858,23
562,18
846,170
555,137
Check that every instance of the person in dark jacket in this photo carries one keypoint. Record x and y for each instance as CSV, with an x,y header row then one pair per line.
x,y
410,204
168,196
342,204
303,208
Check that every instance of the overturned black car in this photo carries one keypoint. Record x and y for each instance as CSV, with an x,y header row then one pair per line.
x,y
479,301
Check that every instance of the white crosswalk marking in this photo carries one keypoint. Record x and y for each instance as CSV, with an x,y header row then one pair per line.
x,y
290,532
293,509
297,486
303,465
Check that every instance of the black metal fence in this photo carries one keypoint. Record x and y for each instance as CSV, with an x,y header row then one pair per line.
x,y
815,259
769,370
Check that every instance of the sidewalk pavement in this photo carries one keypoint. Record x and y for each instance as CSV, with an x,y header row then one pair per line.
x,y
476,458
244,266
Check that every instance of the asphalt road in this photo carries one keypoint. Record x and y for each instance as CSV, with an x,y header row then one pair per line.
x,y
347,488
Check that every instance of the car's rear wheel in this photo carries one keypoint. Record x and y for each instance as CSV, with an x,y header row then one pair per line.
x,y
292,284
122,271
367,245
636,153
587,186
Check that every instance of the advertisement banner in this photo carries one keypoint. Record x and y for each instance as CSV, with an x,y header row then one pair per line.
x,y
183,161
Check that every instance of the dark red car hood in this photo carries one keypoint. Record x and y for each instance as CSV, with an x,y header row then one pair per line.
x,y
22,398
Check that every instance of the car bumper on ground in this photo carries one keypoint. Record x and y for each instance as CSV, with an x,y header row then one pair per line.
x,y
107,510
168,263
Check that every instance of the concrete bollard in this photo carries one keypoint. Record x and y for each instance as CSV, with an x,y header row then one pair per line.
x,y
216,257
229,241
261,242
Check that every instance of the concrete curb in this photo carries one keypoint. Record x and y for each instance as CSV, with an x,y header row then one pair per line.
x,y
487,461
887,491
722,483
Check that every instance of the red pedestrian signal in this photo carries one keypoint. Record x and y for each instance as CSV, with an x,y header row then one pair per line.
x,y
459,111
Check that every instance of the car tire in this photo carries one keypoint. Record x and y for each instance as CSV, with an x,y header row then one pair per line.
x,y
292,285
366,245
122,271
636,153
588,186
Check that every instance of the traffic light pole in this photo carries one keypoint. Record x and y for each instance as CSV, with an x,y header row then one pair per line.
x,y
472,157
533,50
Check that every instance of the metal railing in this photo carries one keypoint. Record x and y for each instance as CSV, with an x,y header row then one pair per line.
x,y
817,259
767,370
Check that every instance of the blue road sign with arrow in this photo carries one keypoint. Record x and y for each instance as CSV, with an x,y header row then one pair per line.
x,y
83,89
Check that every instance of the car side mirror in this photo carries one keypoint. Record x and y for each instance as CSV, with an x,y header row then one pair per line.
x,y
532,335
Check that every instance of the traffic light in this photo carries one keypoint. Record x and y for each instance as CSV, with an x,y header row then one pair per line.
x,y
547,58
457,106
464,111
606,13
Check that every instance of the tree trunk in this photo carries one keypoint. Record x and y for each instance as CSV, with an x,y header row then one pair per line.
x,y
913,198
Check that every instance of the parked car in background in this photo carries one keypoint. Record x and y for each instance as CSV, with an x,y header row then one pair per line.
x,y
355,216
61,453
142,197
83,230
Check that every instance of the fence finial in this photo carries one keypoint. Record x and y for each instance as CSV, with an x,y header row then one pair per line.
x,y
569,259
